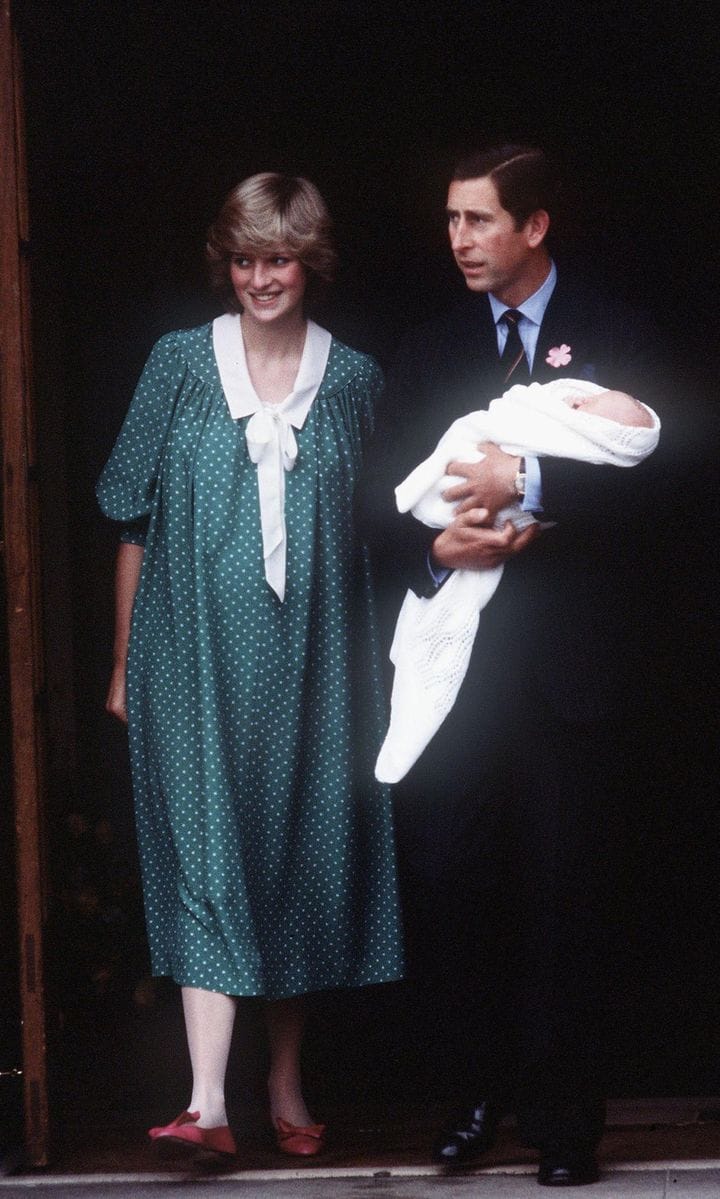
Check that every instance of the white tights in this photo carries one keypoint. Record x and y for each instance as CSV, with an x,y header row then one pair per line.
x,y
209,1019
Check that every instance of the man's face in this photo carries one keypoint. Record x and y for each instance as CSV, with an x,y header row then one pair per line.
x,y
491,253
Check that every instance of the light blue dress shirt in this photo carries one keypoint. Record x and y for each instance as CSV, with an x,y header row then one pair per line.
x,y
531,312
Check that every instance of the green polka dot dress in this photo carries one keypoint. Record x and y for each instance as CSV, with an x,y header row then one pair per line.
x,y
266,845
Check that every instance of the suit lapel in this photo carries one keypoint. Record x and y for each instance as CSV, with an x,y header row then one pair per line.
x,y
479,331
483,360
565,324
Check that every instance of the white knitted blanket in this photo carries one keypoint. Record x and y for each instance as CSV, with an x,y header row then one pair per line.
x,y
434,637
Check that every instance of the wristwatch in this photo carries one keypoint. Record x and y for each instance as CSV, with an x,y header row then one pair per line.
x,y
520,480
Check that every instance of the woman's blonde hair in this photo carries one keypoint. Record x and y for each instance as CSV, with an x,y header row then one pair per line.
x,y
262,214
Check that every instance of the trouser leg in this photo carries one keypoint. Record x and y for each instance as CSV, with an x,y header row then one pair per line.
x,y
455,928
564,821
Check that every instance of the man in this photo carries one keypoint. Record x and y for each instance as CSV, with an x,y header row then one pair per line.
x,y
510,823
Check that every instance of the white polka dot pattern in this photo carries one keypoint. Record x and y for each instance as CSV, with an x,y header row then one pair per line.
x,y
266,845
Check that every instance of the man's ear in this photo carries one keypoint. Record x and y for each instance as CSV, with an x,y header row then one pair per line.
x,y
537,226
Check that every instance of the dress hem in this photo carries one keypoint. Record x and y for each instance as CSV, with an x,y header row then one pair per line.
x,y
345,985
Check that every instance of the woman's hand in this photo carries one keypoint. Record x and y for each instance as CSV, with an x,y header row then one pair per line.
x,y
116,702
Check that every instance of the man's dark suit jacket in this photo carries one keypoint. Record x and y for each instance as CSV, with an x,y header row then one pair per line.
x,y
564,622
521,826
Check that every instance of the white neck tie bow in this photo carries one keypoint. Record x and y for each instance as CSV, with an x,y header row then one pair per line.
x,y
269,432
272,446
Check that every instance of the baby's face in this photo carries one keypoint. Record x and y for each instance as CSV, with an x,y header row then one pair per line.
x,y
613,405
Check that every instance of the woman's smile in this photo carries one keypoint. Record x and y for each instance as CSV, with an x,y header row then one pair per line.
x,y
268,284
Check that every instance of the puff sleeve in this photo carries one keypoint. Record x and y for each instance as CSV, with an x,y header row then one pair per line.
x,y
127,486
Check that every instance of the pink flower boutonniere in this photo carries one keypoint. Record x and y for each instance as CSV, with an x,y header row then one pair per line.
x,y
559,355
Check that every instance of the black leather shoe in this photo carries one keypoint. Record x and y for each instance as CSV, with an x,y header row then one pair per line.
x,y
471,1136
575,1168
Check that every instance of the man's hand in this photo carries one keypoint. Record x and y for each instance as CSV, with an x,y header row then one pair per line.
x,y
489,484
469,544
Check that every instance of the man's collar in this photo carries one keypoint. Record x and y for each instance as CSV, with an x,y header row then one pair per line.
x,y
534,307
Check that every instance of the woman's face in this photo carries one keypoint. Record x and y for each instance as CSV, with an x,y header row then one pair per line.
x,y
269,287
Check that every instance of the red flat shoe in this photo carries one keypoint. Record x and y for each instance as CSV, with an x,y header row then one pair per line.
x,y
300,1142
184,1130
164,1130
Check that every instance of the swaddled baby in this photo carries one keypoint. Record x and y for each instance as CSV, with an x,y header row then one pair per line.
x,y
567,418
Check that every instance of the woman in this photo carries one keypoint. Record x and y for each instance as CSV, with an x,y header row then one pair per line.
x,y
253,696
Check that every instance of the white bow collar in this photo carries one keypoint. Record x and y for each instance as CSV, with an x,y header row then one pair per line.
x,y
269,433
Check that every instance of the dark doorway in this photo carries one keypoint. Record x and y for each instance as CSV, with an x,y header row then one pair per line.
x,y
140,117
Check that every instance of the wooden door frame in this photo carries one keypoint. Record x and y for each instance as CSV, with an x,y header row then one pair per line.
x,y
20,528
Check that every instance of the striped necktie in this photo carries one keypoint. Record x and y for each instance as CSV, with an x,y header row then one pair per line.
x,y
512,360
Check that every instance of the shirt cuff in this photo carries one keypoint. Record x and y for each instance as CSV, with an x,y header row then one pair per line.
x,y
437,574
532,500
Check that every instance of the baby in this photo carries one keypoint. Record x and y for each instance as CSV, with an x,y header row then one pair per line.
x,y
567,418
614,405
525,415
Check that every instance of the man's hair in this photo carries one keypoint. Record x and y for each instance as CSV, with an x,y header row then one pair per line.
x,y
524,177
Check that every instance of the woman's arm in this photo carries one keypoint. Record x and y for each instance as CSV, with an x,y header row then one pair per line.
x,y
127,576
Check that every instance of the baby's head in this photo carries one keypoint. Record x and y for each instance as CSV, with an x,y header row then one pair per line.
x,y
613,405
